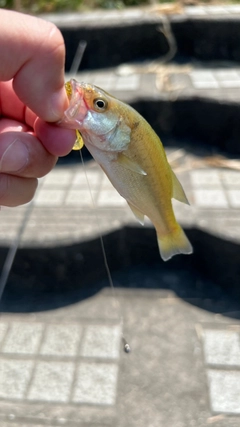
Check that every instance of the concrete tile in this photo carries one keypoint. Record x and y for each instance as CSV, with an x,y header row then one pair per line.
x,y
57,178
195,10
224,391
234,198
132,13
230,84
80,198
82,77
216,10
221,347
106,81
227,75
23,338
205,178
212,199
96,384
110,198
232,232
202,79
27,424
234,8
49,198
7,235
99,308
207,84
3,330
131,82
101,341
230,179
81,179
228,78
14,378
112,15
106,184
52,382
93,16
61,340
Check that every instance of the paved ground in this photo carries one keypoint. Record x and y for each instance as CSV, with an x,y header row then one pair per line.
x,y
63,204
66,365
107,17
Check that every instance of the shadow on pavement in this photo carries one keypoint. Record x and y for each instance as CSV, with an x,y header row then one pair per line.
x,y
48,278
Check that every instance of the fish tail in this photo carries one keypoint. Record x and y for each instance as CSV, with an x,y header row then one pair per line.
x,y
174,243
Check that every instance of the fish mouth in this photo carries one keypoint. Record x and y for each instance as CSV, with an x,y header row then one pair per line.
x,y
77,110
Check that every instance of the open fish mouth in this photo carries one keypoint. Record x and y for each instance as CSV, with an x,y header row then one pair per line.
x,y
77,110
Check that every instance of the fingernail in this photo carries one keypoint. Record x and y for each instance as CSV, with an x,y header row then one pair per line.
x,y
15,157
58,104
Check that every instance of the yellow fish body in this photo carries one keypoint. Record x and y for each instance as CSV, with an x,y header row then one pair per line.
x,y
133,158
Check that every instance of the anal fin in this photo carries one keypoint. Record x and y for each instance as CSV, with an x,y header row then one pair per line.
x,y
178,191
137,213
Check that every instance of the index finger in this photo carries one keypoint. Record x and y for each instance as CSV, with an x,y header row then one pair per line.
x,y
33,54
20,112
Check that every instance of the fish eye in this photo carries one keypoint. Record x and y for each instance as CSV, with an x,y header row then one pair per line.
x,y
100,104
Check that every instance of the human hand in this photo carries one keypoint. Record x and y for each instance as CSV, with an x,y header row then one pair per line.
x,y
32,54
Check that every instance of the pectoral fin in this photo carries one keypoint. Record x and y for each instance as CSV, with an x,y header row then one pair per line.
x,y
178,192
130,164
138,214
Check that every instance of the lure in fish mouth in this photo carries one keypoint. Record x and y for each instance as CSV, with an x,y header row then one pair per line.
x,y
131,154
77,109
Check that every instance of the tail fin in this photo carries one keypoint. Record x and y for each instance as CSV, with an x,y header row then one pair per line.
x,y
173,244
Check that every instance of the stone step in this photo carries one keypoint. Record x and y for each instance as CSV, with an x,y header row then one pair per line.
x,y
189,102
201,32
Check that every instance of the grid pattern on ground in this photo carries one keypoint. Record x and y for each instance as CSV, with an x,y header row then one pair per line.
x,y
130,82
222,358
111,81
212,10
106,17
59,363
196,78
63,204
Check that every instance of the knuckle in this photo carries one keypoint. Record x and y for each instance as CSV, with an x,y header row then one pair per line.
x,y
41,166
16,191
28,190
54,42
32,189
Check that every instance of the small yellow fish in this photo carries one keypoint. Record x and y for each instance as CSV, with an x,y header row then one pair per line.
x,y
132,156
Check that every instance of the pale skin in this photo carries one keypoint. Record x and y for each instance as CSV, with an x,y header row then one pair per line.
x,y
32,98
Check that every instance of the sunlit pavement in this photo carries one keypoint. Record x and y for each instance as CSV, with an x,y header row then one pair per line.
x,y
68,366
64,363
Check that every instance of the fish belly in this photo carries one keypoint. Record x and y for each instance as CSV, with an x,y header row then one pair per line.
x,y
151,195
148,193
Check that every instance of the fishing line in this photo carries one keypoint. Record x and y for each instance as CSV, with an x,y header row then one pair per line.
x,y
73,71
14,246
13,250
126,346
78,57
